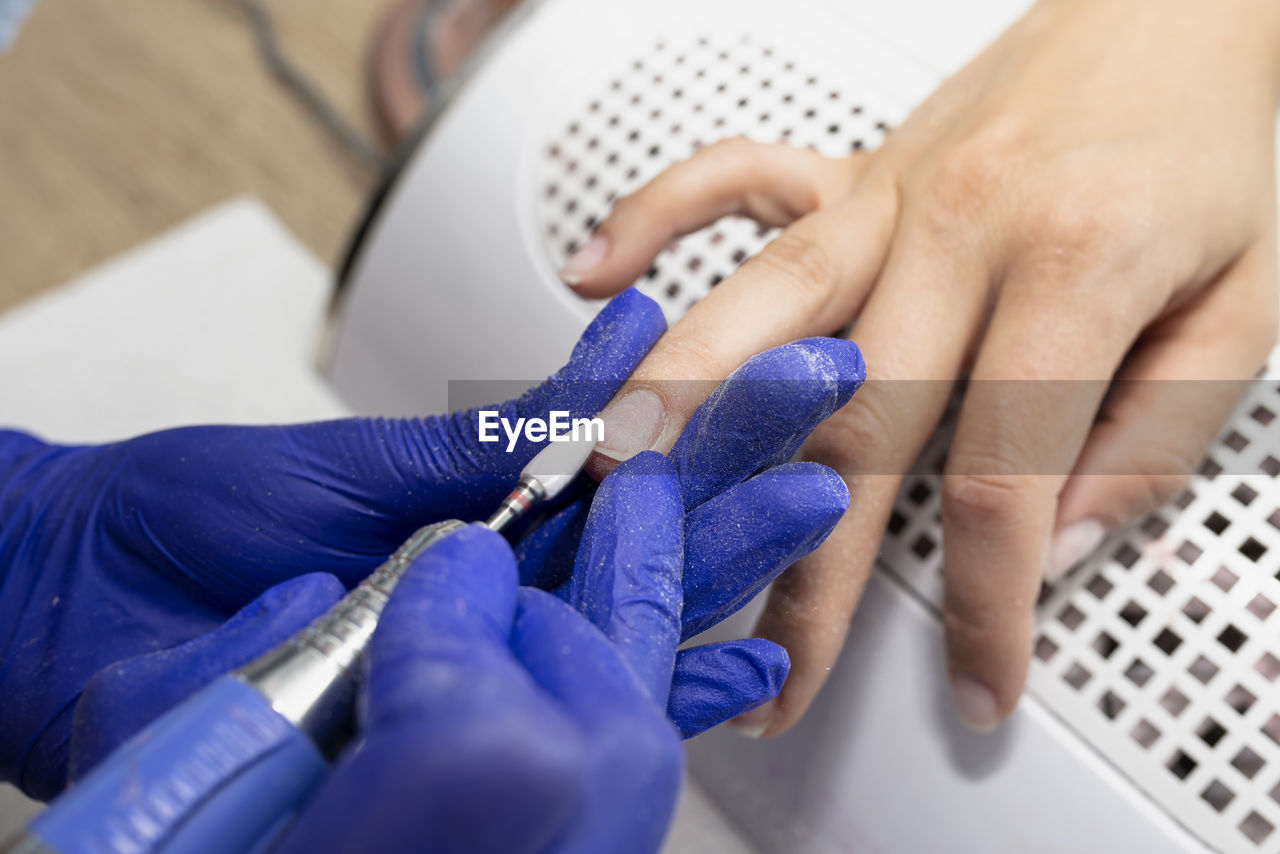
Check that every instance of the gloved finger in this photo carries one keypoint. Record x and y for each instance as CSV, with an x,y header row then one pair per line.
x,y
1022,425
1168,402
123,698
772,184
763,412
455,727
811,280
717,682
633,774
420,470
738,542
627,577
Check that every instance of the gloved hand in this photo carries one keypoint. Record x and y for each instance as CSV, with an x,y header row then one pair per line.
x,y
748,517
499,719
151,544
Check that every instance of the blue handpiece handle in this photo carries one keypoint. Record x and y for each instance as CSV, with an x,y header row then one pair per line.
x,y
223,772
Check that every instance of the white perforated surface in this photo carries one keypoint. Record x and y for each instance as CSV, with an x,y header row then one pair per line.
x,y
1163,652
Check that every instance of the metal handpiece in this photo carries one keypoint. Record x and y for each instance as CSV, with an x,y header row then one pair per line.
x,y
311,679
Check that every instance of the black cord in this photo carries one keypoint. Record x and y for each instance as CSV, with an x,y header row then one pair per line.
x,y
320,107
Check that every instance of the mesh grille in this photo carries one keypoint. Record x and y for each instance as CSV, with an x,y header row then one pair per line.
x,y
1162,652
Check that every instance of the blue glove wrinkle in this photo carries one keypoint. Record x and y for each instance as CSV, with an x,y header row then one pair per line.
x,y
632,751
627,580
126,696
720,681
763,412
742,539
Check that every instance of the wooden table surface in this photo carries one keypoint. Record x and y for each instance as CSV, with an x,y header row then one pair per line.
x,y
120,119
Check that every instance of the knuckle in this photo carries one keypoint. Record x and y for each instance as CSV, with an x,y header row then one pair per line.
x,y
1071,231
857,434
799,262
983,496
967,178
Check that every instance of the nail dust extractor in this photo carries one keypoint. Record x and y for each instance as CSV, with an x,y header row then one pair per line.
x,y
1152,719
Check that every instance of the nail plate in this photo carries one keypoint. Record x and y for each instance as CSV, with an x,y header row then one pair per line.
x,y
585,260
632,423
754,723
975,704
1073,544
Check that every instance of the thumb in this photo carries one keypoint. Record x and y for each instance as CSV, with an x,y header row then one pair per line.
x,y
121,699
421,470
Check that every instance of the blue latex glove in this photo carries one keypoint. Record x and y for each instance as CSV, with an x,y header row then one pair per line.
x,y
500,719
749,515
146,547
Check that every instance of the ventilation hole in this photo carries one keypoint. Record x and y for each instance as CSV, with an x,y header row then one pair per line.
x,y
632,173
1262,415
592,181
1138,672
896,522
1195,609
1274,520
1174,702
1154,526
1235,441
923,546
1224,579
1211,732
651,273
1071,616
1232,638
612,158
590,223
1271,729
1167,641
1076,676
1244,493
1241,699
571,247
1189,552
1217,795
673,290
1133,613
1269,666
1046,649
1216,522
1104,644
1270,465
571,206
856,110
919,493
1111,705
1161,582
1126,555
833,129
1260,606
857,145
1183,501
1252,549
1203,669
1180,764
552,190
1099,587
1247,762
1209,469
1145,733
715,279
1256,828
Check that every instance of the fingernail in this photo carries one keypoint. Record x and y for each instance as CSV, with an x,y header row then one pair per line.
x,y
753,724
975,704
586,259
632,423
1073,544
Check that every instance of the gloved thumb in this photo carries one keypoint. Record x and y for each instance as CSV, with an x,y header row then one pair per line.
x,y
124,697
